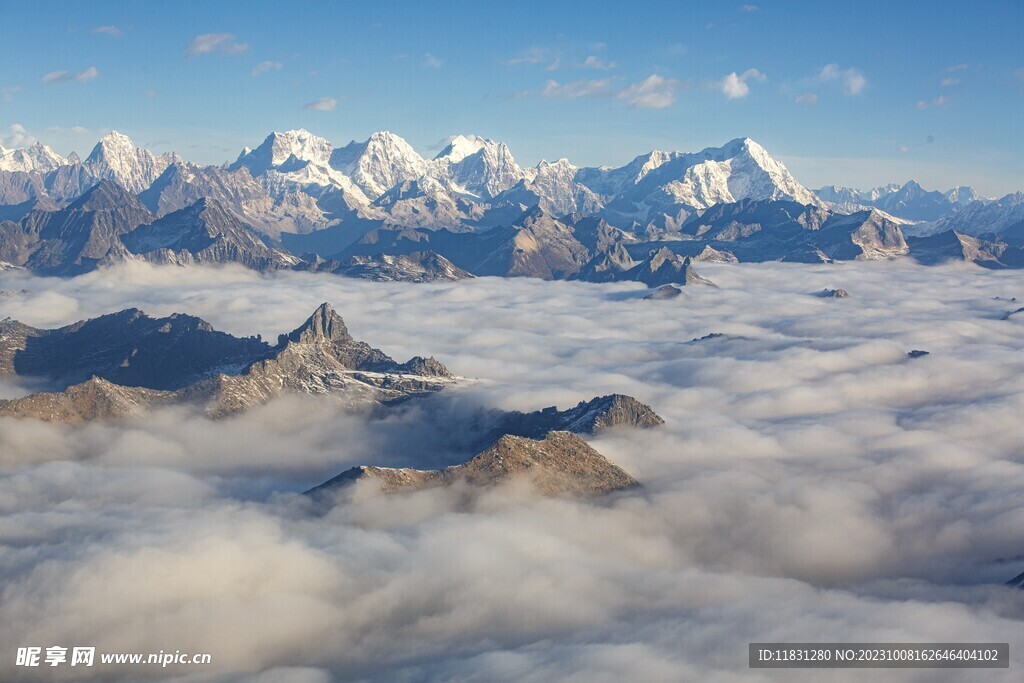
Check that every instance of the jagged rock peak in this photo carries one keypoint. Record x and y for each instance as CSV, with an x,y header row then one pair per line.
x,y
615,410
36,158
112,142
105,195
461,146
324,325
279,147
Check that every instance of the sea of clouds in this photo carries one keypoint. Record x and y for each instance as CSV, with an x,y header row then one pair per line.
x,y
811,483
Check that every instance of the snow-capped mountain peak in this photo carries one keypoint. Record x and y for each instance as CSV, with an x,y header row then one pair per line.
x,y
963,195
740,169
279,147
480,166
461,146
379,163
36,158
116,157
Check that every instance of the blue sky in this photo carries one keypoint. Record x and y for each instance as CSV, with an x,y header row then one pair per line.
x,y
861,96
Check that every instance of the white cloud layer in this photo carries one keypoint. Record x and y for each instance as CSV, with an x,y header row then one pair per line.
x,y
811,483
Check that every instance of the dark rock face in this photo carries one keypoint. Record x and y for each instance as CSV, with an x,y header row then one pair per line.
x,y
665,267
731,222
665,292
989,251
833,294
205,232
417,266
711,255
181,359
75,239
609,265
587,417
917,353
559,464
661,267
127,348
536,246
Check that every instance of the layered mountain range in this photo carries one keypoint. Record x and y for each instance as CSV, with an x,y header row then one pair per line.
x,y
379,210
121,365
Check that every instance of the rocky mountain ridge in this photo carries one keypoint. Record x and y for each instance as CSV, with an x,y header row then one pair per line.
x,y
117,365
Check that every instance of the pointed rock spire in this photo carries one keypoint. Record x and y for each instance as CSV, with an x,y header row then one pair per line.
x,y
324,325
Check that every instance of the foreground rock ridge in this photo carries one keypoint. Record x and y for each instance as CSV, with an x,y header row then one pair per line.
x,y
133,362
378,210
587,417
541,448
560,463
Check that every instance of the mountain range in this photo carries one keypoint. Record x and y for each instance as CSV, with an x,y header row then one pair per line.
x,y
363,209
116,365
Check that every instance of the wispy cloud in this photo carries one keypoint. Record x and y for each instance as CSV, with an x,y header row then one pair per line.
x,y
569,91
957,67
950,82
73,130
322,104
16,136
940,101
534,55
8,92
265,67
537,55
431,62
654,92
208,43
808,99
735,86
595,62
852,80
749,8
83,76
108,30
